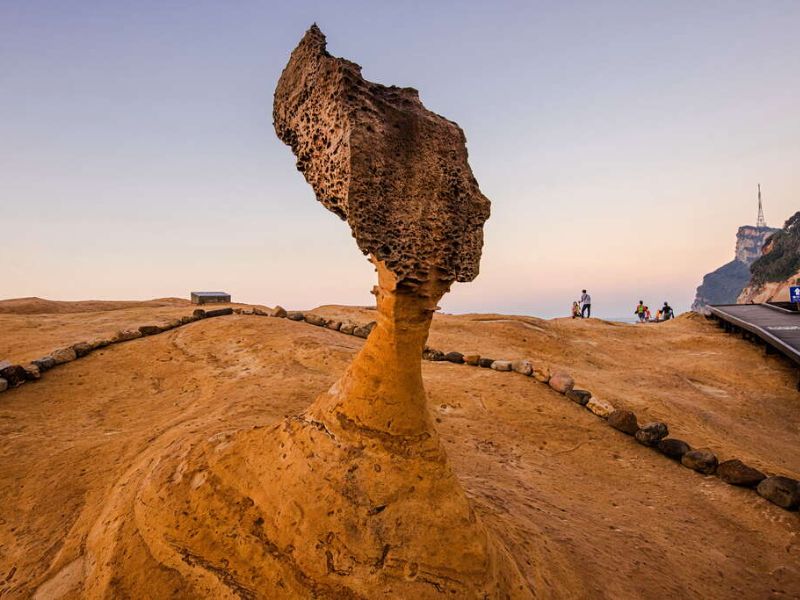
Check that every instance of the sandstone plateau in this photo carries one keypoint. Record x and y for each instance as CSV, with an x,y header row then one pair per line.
x,y
584,510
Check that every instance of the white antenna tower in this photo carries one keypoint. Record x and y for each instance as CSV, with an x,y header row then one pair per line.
x,y
761,223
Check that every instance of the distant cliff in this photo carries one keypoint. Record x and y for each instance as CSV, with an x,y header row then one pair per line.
x,y
724,285
777,268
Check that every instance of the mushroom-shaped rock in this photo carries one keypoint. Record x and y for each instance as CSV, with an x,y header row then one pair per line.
x,y
376,157
355,497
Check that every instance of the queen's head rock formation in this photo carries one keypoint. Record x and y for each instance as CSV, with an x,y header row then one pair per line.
x,y
355,497
375,156
398,174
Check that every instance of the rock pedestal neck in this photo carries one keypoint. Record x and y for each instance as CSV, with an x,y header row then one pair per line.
x,y
353,498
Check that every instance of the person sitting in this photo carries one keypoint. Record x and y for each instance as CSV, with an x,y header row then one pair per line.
x,y
658,315
667,312
576,310
647,314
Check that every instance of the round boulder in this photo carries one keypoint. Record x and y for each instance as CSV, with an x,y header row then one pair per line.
x,y
703,461
735,472
14,374
673,448
624,421
541,374
783,491
313,319
64,355
150,329
127,334
601,408
582,397
432,354
501,365
561,382
523,367
45,363
363,331
99,343
84,348
651,433
454,357
32,372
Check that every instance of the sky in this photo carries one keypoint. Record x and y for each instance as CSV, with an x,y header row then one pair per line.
x,y
619,142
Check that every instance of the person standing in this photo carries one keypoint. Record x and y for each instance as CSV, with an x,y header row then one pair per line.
x,y
639,312
586,304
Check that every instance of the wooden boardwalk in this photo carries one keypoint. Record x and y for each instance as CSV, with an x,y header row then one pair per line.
x,y
778,328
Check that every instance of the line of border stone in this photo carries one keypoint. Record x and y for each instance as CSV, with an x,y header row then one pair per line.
x,y
14,375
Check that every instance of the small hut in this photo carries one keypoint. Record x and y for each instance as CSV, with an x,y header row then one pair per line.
x,y
210,297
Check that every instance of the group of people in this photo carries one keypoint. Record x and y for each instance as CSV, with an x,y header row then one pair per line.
x,y
665,313
582,309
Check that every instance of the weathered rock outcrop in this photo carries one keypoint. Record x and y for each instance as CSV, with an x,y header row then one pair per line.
x,y
376,157
724,285
777,268
355,497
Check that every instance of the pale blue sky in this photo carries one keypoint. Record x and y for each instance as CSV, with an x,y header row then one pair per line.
x,y
620,144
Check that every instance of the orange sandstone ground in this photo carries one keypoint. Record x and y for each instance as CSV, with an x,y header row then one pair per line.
x,y
585,511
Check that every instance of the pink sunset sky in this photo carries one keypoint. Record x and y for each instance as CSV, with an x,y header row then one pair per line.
x,y
620,144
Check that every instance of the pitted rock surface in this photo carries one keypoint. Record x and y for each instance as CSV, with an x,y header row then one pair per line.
x,y
375,156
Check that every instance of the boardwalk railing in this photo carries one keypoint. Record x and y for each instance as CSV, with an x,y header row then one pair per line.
x,y
777,327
